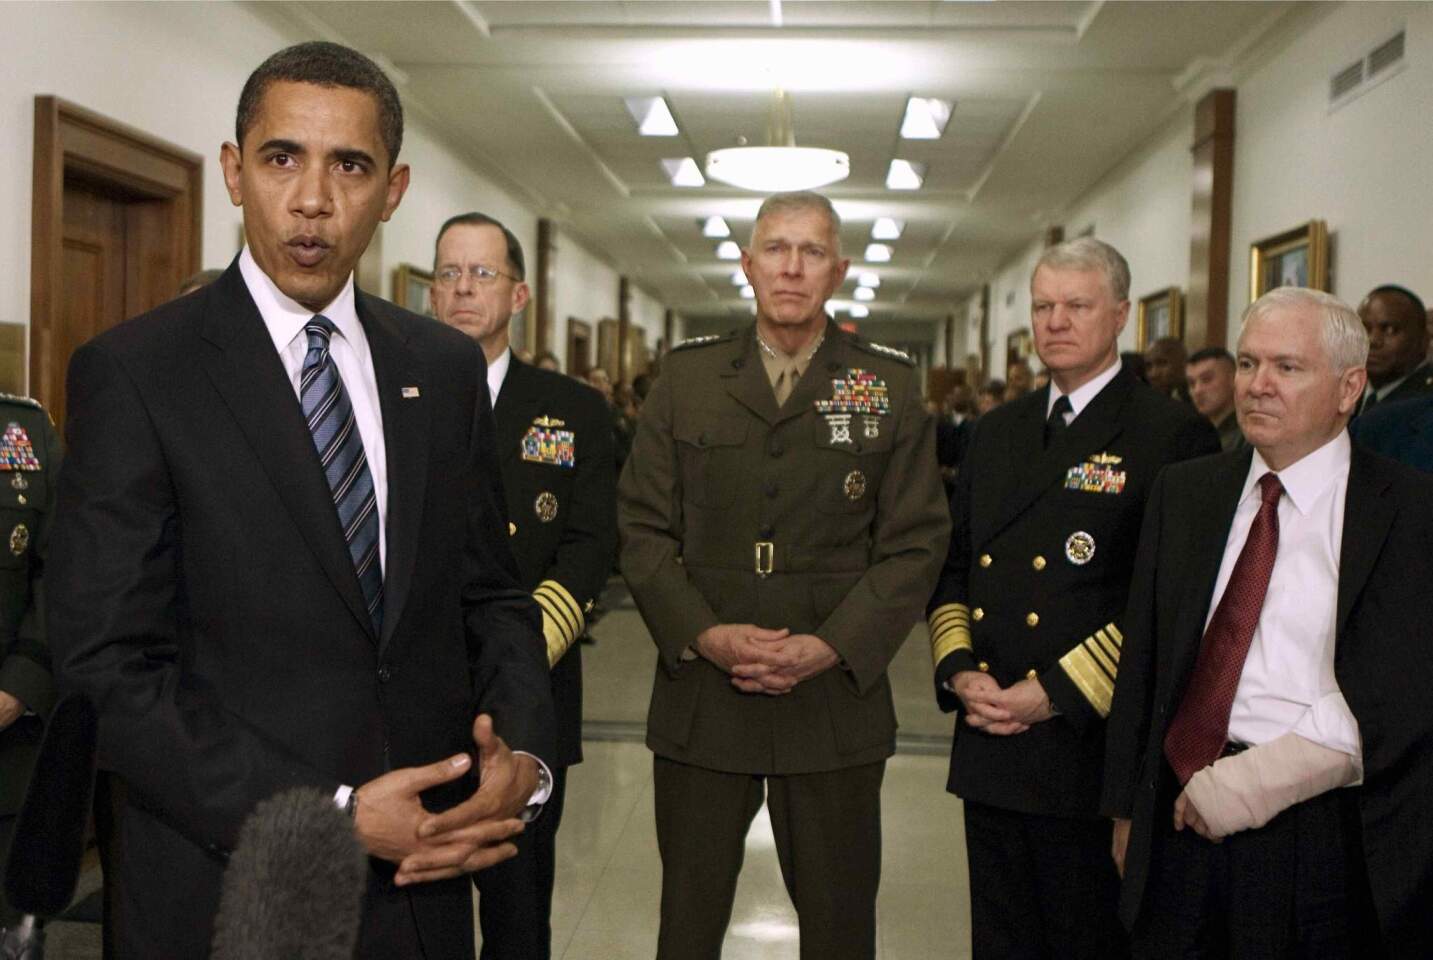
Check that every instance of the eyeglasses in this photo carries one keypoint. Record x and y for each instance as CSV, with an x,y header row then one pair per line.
x,y
449,276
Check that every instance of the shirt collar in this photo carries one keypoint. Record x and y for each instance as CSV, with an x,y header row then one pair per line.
x,y
284,317
1305,480
498,371
1081,396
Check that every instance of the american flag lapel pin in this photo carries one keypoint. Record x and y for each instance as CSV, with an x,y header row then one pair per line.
x,y
410,392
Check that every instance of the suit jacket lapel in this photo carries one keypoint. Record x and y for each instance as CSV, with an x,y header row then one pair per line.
x,y
746,379
1367,517
249,376
405,437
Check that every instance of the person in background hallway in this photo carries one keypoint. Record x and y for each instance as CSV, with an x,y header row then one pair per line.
x,y
952,433
201,279
782,521
1028,617
555,451
1210,375
1164,367
1042,379
279,558
1277,650
548,361
990,396
1018,380
1398,366
29,464
1133,361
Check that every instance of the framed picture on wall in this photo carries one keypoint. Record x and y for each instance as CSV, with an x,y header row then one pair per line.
x,y
1294,258
411,286
1019,345
1160,314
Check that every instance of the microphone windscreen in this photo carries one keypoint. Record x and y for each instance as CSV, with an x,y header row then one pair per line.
x,y
294,884
49,838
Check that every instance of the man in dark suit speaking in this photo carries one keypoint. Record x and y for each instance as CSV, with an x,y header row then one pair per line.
x,y
283,559
1269,737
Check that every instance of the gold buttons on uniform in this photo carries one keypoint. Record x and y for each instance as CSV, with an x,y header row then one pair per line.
x,y
984,667
1032,619
978,613
1030,674
985,560
1038,563
512,528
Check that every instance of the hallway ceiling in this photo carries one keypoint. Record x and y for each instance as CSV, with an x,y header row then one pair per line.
x,y
1048,97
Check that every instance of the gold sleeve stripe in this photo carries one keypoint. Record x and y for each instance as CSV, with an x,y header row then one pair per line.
x,y
1097,653
1093,666
562,619
949,630
1111,649
1115,632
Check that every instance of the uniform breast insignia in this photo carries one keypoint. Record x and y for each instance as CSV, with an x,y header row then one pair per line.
x,y
1079,548
545,506
544,443
16,450
892,352
1097,475
859,393
19,482
19,539
854,485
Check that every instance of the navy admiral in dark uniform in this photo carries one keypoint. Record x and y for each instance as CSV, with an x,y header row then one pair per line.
x,y
554,442
29,463
1025,622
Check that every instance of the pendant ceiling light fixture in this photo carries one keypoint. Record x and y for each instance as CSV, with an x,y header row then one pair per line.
x,y
781,165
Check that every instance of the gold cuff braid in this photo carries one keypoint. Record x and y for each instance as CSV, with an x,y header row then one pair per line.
x,y
562,619
949,631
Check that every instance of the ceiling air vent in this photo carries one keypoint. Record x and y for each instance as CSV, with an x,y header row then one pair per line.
x,y
1382,62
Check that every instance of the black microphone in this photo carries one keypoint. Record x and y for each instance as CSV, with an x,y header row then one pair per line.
x,y
293,889
49,838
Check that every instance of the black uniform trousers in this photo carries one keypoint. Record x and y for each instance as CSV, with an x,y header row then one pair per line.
x,y
1293,888
1041,887
828,839
515,897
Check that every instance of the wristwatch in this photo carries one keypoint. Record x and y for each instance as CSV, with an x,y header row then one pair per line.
x,y
544,788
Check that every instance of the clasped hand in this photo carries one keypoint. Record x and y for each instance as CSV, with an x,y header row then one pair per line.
x,y
765,661
1001,711
393,825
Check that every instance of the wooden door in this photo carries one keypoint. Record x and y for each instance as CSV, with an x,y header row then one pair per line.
x,y
92,298
579,347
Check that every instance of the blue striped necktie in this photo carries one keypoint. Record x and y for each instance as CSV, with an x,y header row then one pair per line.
x,y
345,465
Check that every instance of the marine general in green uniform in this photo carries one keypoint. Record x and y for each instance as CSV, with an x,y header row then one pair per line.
x,y
1026,623
782,523
29,463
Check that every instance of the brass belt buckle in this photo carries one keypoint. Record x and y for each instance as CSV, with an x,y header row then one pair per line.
x,y
765,557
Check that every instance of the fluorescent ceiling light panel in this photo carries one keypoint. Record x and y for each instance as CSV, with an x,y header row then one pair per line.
x,y
905,175
878,253
728,250
738,278
925,118
859,311
869,279
652,116
887,229
864,293
715,227
778,169
683,172
748,292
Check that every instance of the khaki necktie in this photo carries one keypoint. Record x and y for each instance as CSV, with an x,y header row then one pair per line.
x,y
785,383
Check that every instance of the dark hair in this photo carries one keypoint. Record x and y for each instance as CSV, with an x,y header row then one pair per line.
x,y
324,64
1403,292
515,257
1210,353
993,388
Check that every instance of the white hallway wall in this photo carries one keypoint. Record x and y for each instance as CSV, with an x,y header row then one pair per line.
x,y
1364,168
175,71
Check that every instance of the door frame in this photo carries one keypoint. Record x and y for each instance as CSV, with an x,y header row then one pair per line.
x,y
71,140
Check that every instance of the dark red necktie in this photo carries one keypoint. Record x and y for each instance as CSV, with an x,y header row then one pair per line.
x,y
1197,734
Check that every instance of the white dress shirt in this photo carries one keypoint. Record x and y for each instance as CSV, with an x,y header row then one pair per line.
x,y
1081,396
497,373
285,320
1288,681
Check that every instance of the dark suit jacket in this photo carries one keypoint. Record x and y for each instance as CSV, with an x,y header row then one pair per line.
x,y
202,594
1416,384
564,552
1403,431
1382,662
1014,598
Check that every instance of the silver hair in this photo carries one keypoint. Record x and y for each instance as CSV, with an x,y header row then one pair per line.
x,y
1087,253
1345,340
795,201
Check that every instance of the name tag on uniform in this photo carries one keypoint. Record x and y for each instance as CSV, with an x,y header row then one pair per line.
x,y
545,443
1097,475
858,394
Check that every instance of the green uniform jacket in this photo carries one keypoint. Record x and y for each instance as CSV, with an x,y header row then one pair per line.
x,y
836,494
29,463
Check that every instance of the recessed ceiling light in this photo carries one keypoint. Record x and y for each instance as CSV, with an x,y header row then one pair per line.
x,y
905,175
748,292
728,250
738,279
869,279
652,116
715,227
864,293
878,253
925,118
887,229
683,172
859,311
